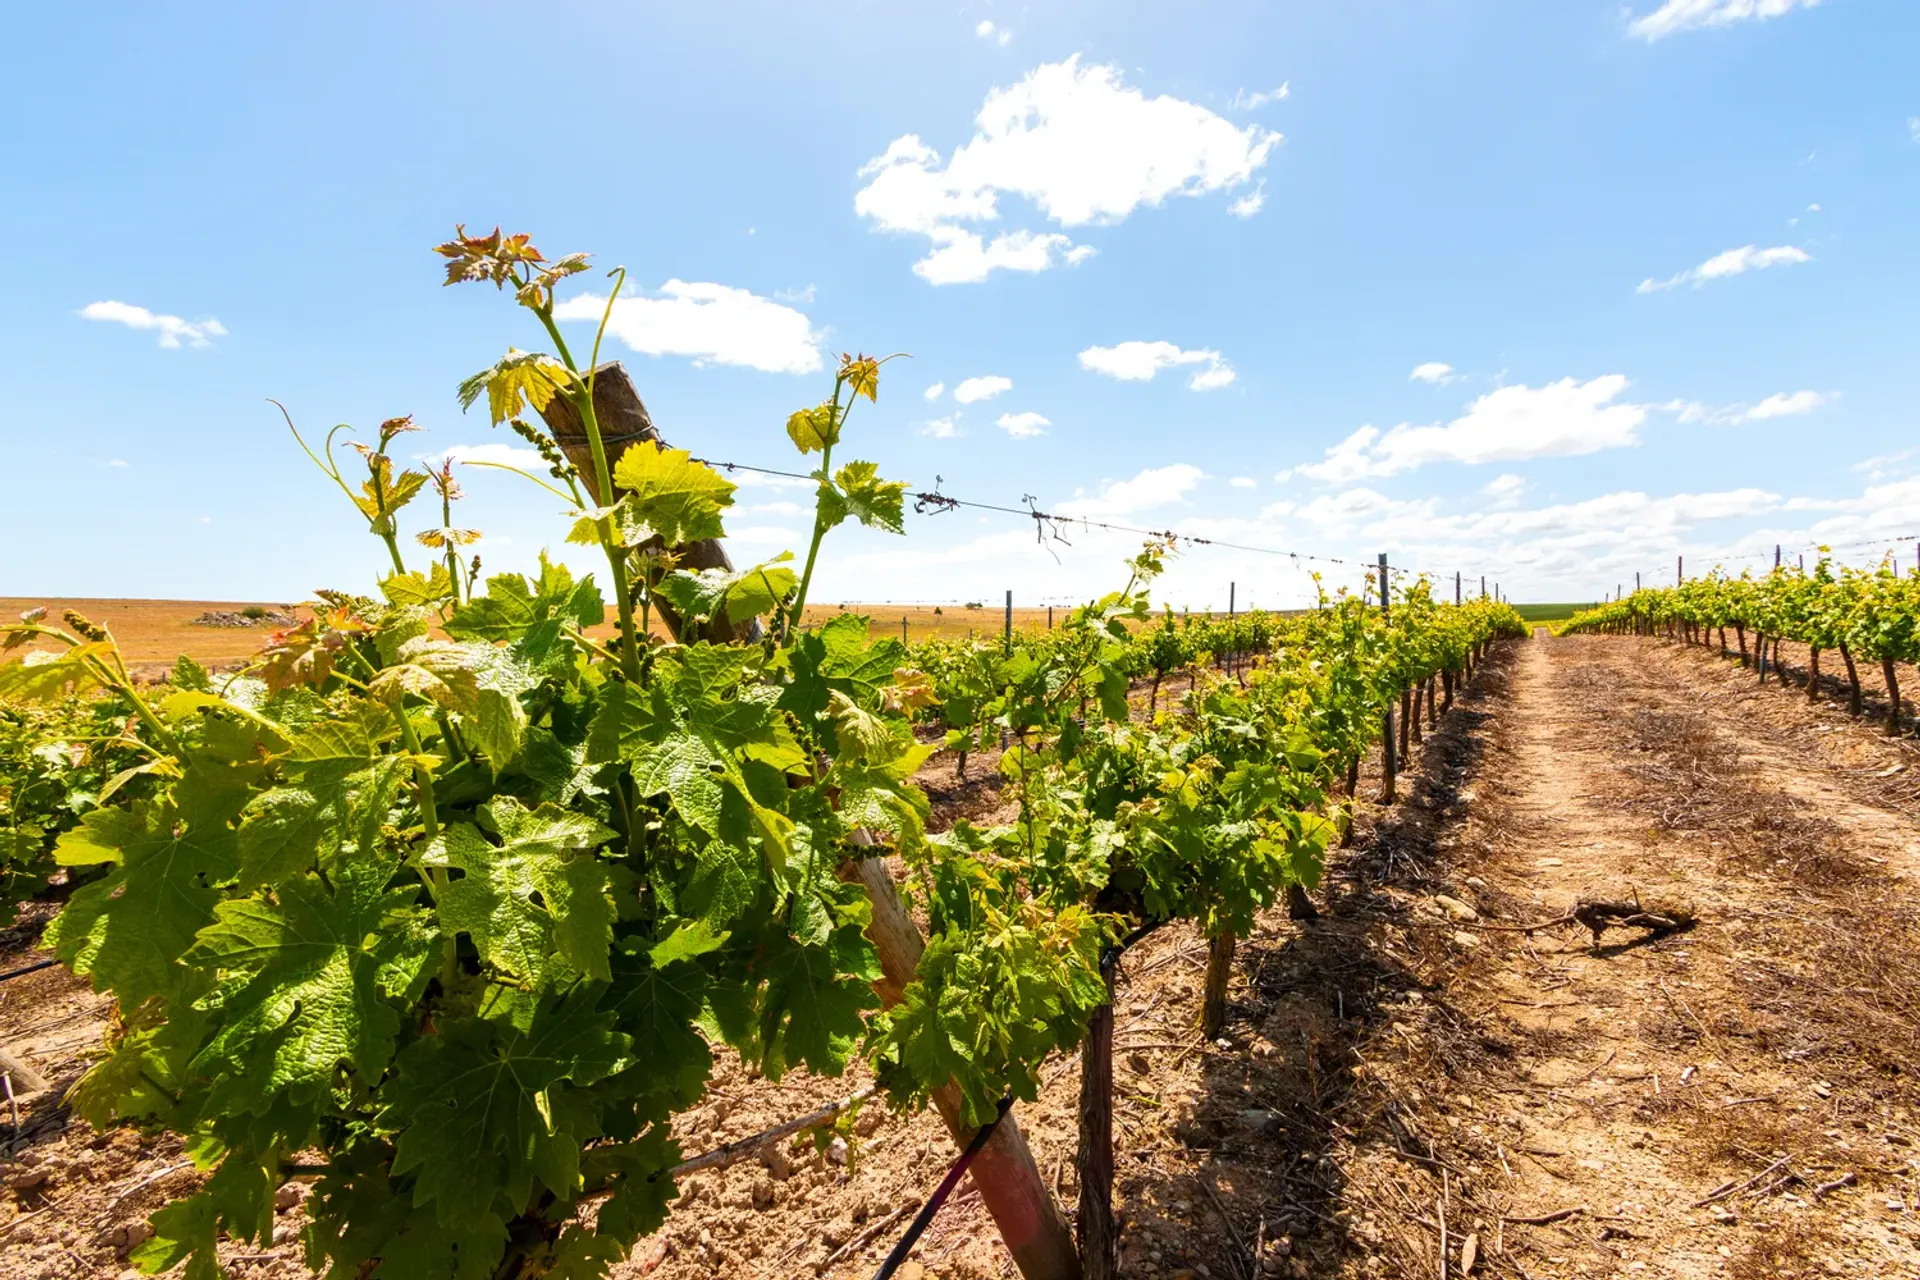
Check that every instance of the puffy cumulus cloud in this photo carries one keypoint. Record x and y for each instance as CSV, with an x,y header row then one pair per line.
x,y
1781,404
1244,482
174,332
711,323
1432,371
960,256
1140,361
1684,15
984,387
1153,488
947,428
1562,419
1732,262
935,391
1083,146
1022,426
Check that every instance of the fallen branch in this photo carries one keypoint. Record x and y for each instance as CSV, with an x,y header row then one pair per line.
x,y
1726,1189
1601,916
1547,1219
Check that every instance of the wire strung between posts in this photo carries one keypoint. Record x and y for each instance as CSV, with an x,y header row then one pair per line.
x,y
921,1220
1048,523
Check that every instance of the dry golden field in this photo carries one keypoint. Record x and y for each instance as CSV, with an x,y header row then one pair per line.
x,y
152,633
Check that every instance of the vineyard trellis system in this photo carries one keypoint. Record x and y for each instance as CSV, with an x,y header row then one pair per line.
x,y
456,897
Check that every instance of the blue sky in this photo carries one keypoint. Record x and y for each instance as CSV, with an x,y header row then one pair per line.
x,y
1655,266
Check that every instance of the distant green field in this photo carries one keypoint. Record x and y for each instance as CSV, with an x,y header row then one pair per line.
x,y
1550,612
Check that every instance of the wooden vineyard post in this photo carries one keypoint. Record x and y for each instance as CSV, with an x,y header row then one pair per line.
x,y
624,422
1213,1004
1387,763
1008,645
1098,1240
1008,1179
1893,696
1353,800
1231,610
903,628
1433,717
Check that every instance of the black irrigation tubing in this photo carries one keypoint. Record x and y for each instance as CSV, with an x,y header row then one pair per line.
x,y
24,970
940,1193
936,502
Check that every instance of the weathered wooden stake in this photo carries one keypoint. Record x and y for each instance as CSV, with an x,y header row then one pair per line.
x,y
1213,1003
1010,1183
1098,1239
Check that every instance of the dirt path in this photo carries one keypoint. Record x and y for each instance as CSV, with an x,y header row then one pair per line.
x,y
1770,1047
1394,1075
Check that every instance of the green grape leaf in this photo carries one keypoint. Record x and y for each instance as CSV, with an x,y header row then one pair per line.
x,y
412,588
41,675
310,1000
480,684
538,895
125,931
519,379
678,498
642,1187
730,595
684,733
815,1001
876,503
660,1007
190,675
813,430
475,1107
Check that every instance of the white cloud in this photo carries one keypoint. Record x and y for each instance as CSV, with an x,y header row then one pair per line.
x,y
1243,482
1432,371
505,455
775,509
1733,262
987,31
1913,128
935,391
1155,487
1079,143
1683,15
118,462
1023,425
174,332
964,257
1781,404
1504,491
942,428
1251,203
1244,101
712,323
1560,419
985,387
1140,361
